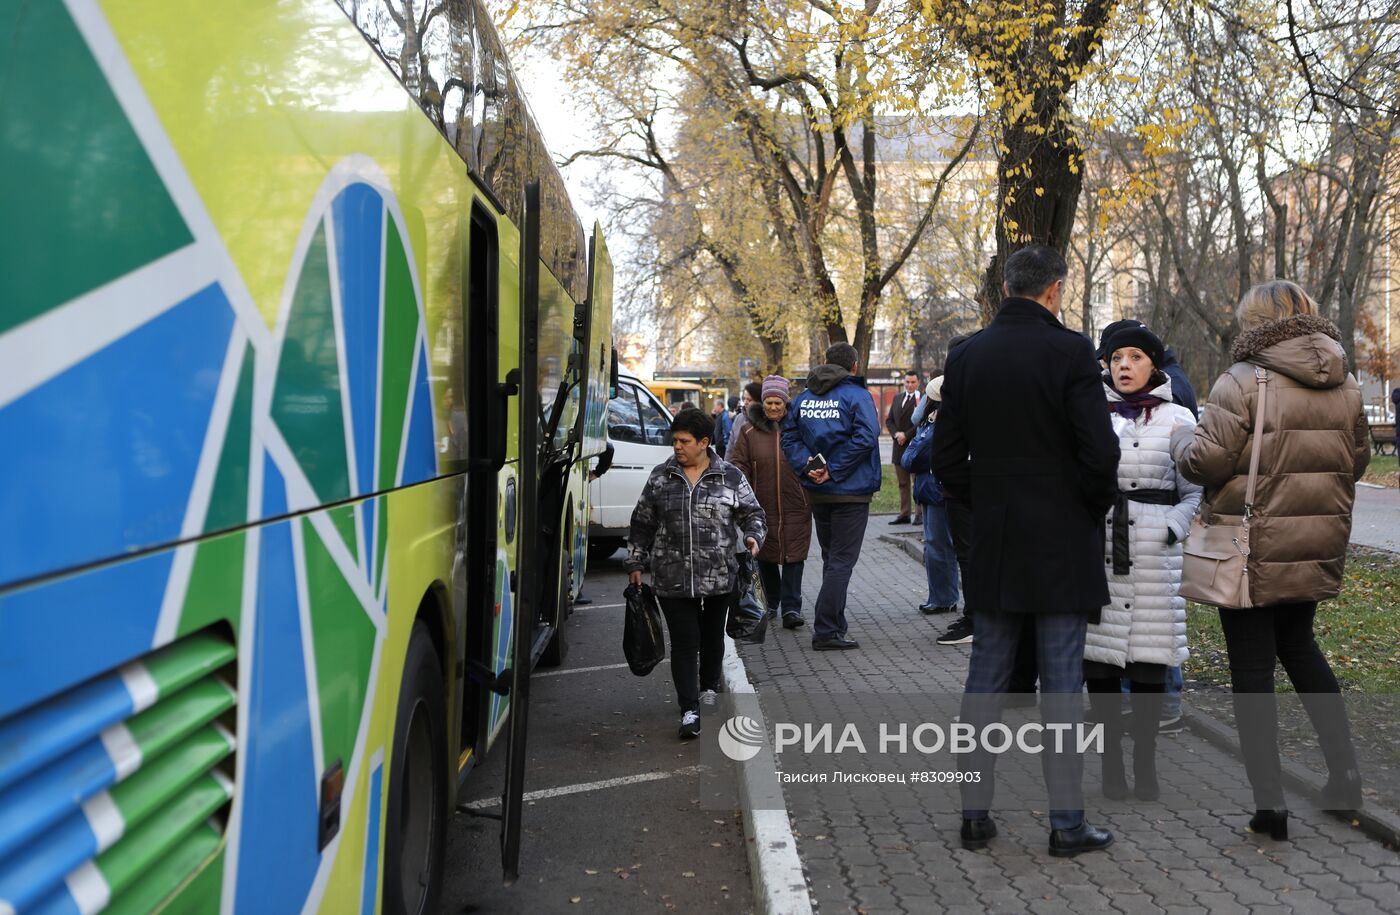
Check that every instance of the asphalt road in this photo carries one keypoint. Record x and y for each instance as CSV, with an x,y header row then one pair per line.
x,y
672,843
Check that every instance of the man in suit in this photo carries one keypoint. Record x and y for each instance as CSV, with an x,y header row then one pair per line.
x,y
1024,400
900,423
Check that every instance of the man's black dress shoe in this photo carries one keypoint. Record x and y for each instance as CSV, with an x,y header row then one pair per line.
x,y
835,643
1066,843
977,833
902,519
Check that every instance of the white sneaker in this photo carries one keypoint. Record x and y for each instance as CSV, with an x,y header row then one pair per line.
x,y
690,725
708,699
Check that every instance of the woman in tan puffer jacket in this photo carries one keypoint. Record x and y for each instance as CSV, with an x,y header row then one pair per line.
x,y
1315,447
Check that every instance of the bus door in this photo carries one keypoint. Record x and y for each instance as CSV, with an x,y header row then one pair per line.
x,y
549,451
485,524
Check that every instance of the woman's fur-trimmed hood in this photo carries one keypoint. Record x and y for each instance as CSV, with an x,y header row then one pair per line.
x,y
1306,348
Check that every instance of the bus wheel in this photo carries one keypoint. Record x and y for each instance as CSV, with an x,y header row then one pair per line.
x,y
415,831
558,648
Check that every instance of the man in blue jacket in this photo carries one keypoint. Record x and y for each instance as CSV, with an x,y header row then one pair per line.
x,y
831,439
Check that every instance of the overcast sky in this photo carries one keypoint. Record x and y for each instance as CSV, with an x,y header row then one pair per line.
x,y
565,132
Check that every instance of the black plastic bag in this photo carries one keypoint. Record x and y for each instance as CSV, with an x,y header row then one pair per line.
x,y
643,640
748,610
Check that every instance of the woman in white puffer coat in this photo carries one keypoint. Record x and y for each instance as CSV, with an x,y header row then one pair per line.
x,y
1142,630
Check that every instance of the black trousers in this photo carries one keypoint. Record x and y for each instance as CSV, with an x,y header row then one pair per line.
x,y
840,531
1254,638
782,585
696,625
1023,670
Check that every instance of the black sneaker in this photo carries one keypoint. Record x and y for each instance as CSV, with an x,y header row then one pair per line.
x,y
960,633
708,700
793,621
835,643
690,725
1173,725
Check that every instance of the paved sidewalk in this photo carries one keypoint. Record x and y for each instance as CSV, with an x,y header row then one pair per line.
x,y
1376,518
886,849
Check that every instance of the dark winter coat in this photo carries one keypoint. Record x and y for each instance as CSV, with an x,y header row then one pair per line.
x,y
1025,399
1182,392
1316,446
757,451
835,417
689,536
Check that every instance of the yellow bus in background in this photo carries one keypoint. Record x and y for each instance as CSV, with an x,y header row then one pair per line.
x,y
674,392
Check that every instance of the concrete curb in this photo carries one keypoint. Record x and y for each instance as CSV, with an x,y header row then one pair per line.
x,y
1381,825
779,886
915,548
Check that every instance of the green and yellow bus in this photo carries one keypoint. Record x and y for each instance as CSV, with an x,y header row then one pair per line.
x,y
303,357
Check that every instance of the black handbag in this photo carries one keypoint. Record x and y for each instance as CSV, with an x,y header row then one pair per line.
x,y
748,610
643,639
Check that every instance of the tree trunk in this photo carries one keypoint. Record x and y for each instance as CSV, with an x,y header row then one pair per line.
x,y
773,355
1028,218
1279,209
1086,318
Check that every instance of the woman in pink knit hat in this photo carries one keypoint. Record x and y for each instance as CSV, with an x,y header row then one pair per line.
x,y
757,451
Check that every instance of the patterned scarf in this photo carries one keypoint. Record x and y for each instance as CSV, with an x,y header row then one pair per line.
x,y
1133,405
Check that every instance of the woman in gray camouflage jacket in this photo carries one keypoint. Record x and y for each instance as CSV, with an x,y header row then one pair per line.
x,y
685,529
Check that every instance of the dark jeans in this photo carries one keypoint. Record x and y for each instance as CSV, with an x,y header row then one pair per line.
x,y
1059,639
960,526
940,558
696,626
1254,637
840,531
782,585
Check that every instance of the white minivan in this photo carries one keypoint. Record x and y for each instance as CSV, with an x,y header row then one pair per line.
x,y
639,428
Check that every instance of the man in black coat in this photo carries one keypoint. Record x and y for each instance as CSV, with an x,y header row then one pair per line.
x,y
1024,399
